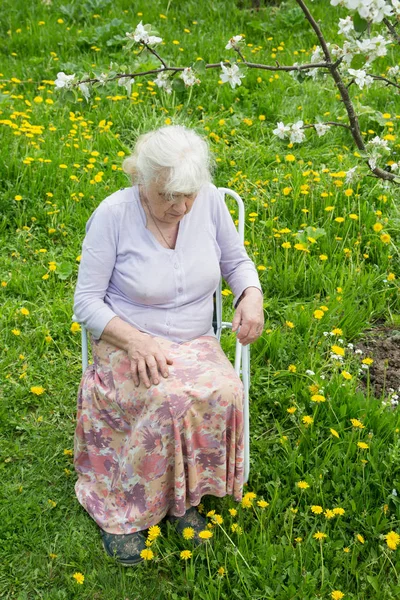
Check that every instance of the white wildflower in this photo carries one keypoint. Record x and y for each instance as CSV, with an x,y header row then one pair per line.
x,y
281,130
231,75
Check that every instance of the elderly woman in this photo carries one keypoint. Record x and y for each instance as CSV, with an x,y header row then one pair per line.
x,y
160,412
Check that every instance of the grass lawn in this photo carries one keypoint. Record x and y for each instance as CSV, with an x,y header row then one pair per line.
x,y
325,446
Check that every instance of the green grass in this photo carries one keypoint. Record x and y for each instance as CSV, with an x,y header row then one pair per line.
x,y
40,515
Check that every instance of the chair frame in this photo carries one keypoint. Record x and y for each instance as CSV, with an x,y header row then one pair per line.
x,y
242,353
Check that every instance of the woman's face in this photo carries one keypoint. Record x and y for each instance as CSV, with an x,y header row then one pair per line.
x,y
162,207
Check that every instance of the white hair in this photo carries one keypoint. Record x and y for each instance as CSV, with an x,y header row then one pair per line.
x,y
174,154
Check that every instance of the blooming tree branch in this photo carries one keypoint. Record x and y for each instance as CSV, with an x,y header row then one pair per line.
x,y
348,65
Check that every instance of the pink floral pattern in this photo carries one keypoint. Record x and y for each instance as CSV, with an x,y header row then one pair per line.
x,y
143,453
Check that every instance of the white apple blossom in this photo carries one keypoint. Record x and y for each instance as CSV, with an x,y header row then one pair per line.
x,y
281,130
233,42
163,81
317,55
394,167
372,10
232,75
126,82
346,26
64,81
372,164
394,71
347,52
85,90
361,78
379,142
296,132
373,47
321,128
351,175
142,36
189,77
396,6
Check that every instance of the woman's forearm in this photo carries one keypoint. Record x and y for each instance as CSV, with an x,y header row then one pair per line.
x,y
120,333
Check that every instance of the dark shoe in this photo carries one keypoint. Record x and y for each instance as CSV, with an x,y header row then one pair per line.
x,y
192,518
125,548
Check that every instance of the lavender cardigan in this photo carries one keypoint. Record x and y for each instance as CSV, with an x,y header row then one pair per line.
x,y
124,271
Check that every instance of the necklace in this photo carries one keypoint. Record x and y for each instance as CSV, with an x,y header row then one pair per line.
x,y
154,221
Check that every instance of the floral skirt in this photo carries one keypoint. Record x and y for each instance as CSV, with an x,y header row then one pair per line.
x,y
142,453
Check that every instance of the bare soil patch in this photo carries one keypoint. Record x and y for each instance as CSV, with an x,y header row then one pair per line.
x,y
381,343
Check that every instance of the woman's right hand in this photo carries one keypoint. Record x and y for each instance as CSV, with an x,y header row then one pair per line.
x,y
148,358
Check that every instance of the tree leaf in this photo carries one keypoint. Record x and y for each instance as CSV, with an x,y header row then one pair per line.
x,y
360,24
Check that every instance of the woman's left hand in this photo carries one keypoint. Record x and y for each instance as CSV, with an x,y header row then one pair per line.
x,y
249,316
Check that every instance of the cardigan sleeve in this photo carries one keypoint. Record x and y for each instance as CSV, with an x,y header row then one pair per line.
x,y
99,252
236,267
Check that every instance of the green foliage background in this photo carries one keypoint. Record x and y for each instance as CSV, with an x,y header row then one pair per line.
x,y
59,160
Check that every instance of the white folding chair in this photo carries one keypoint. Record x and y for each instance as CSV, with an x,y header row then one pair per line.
x,y
242,353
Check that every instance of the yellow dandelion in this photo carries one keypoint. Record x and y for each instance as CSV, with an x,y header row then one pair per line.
x,y
318,398
289,324
186,554
337,595
303,485
318,314
290,157
24,311
377,227
205,534
392,539
357,423
329,514
334,432
221,571
360,538
37,389
362,445
367,361
188,533
79,578
217,519
339,510
147,554
286,191
16,331
316,509
291,410
385,238
319,535
346,375
233,512
262,503
307,420
338,350
154,532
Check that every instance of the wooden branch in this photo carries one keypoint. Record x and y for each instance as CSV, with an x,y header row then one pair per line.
x,y
328,123
164,64
344,92
392,30
388,81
